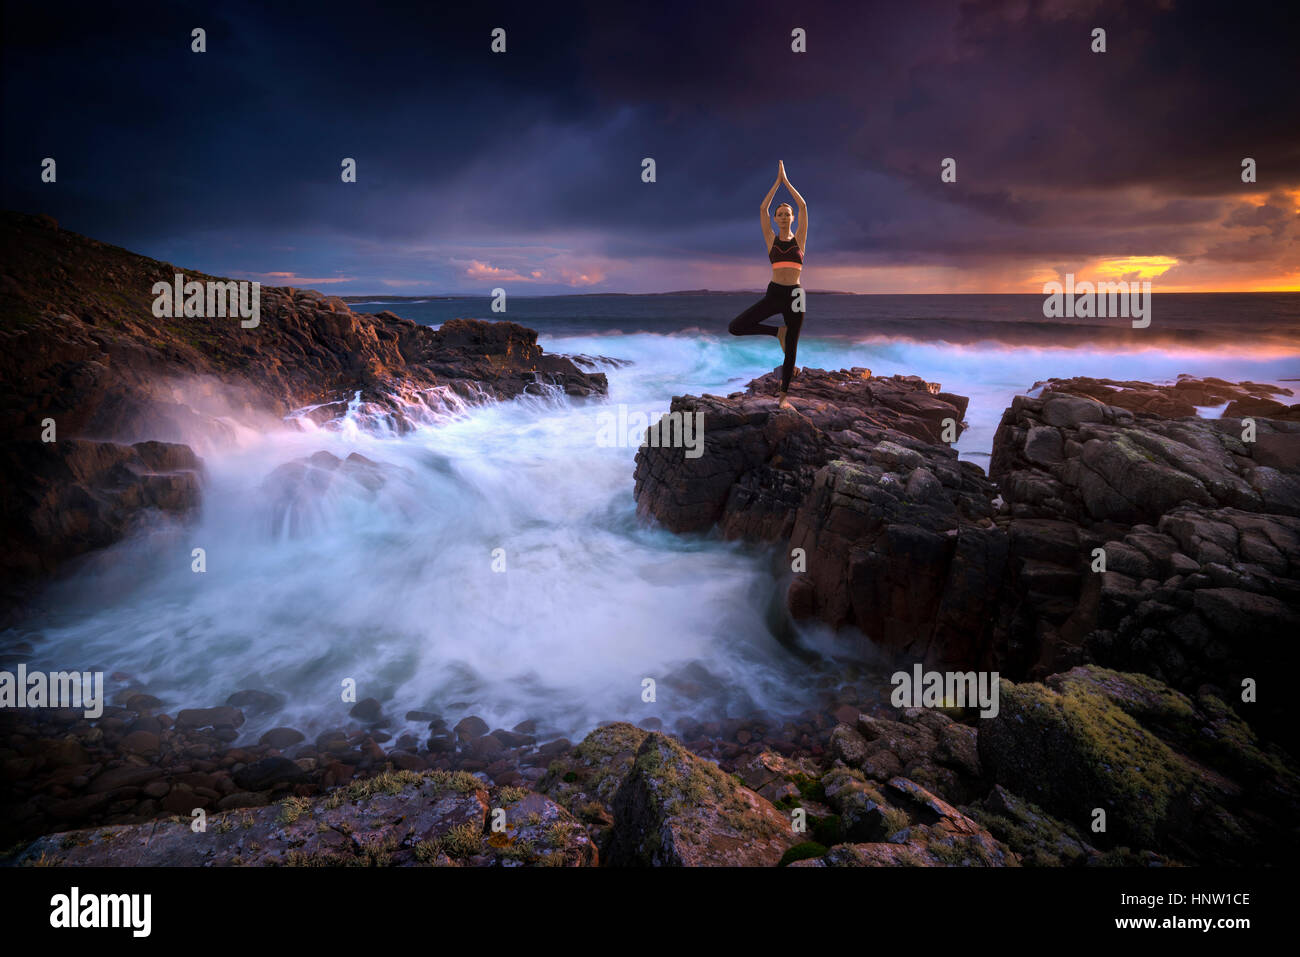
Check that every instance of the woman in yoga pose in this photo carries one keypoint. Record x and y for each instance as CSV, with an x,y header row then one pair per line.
x,y
784,294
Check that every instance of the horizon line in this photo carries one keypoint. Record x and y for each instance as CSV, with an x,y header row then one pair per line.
x,y
381,297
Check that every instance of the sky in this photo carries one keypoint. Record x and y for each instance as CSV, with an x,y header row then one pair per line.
x,y
523,170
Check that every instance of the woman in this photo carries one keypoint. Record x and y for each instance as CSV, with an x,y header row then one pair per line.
x,y
784,294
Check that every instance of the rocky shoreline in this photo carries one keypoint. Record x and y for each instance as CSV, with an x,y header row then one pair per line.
x,y
81,348
1127,566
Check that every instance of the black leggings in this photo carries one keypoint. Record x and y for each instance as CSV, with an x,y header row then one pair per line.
x,y
750,323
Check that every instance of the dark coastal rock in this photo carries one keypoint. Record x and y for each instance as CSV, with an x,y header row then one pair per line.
x,y
759,462
1170,773
896,535
902,824
281,738
61,499
674,809
469,728
367,710
1038,838
586,778
1120,455
925,746
81,346
225,717
400,818
1200,532
253,701
267,772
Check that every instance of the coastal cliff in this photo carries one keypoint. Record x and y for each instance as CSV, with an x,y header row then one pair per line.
x,y
81,351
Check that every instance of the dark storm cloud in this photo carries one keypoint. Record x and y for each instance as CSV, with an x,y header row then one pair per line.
x,y
531,161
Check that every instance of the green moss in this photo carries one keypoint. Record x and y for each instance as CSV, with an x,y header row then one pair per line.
x,y
894,820
512,795
802,852
558,834
463,840
292,808
519,851
1085,751
426,852
828,830
810,788
608,742
953,853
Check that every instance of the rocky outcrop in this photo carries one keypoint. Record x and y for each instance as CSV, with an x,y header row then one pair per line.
x,y
396,819
1067,454
896,535
1181,780
657,804
676,809
1109,532
77,495
82,353
925,746
1197,525
1187,777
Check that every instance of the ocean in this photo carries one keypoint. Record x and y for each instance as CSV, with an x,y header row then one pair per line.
x,y
400,589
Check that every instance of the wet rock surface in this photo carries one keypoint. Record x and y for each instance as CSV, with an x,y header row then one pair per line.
x,y
1116,528
1182,780
395,819
897,535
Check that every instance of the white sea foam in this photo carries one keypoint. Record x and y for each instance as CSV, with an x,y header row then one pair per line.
x,y
394,586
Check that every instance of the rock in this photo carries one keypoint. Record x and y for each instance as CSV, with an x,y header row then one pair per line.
x,y
238,799
126,776
281,738
141,742
1142,752
256,702
85,346
1038,838
1070,411
399,819
62,499
897,532
848,745
142,702
592,773
513,739
367,710
467,729
267,772
675,809
224,717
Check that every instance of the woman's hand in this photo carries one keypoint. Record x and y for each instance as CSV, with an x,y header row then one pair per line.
x,y
780,171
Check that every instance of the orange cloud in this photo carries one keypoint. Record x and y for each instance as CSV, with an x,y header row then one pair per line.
x,y
293,279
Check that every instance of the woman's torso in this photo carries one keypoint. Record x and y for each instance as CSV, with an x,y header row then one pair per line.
x,y
787,261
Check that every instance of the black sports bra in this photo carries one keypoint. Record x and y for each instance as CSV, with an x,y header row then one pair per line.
x,y
785,252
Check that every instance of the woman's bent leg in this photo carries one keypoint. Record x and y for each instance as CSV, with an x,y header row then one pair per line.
x,y
749,322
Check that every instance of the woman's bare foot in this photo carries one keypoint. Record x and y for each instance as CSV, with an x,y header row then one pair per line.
x,y
785,401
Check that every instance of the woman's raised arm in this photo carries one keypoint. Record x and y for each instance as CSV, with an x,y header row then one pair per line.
x,y
765,213
802,233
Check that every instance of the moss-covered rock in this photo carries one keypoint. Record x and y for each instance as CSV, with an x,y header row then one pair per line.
x,y
586,779
1092,738
677,809
1038,838
397,818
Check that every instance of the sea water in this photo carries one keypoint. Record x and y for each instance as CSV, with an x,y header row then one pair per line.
x,y
500,569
